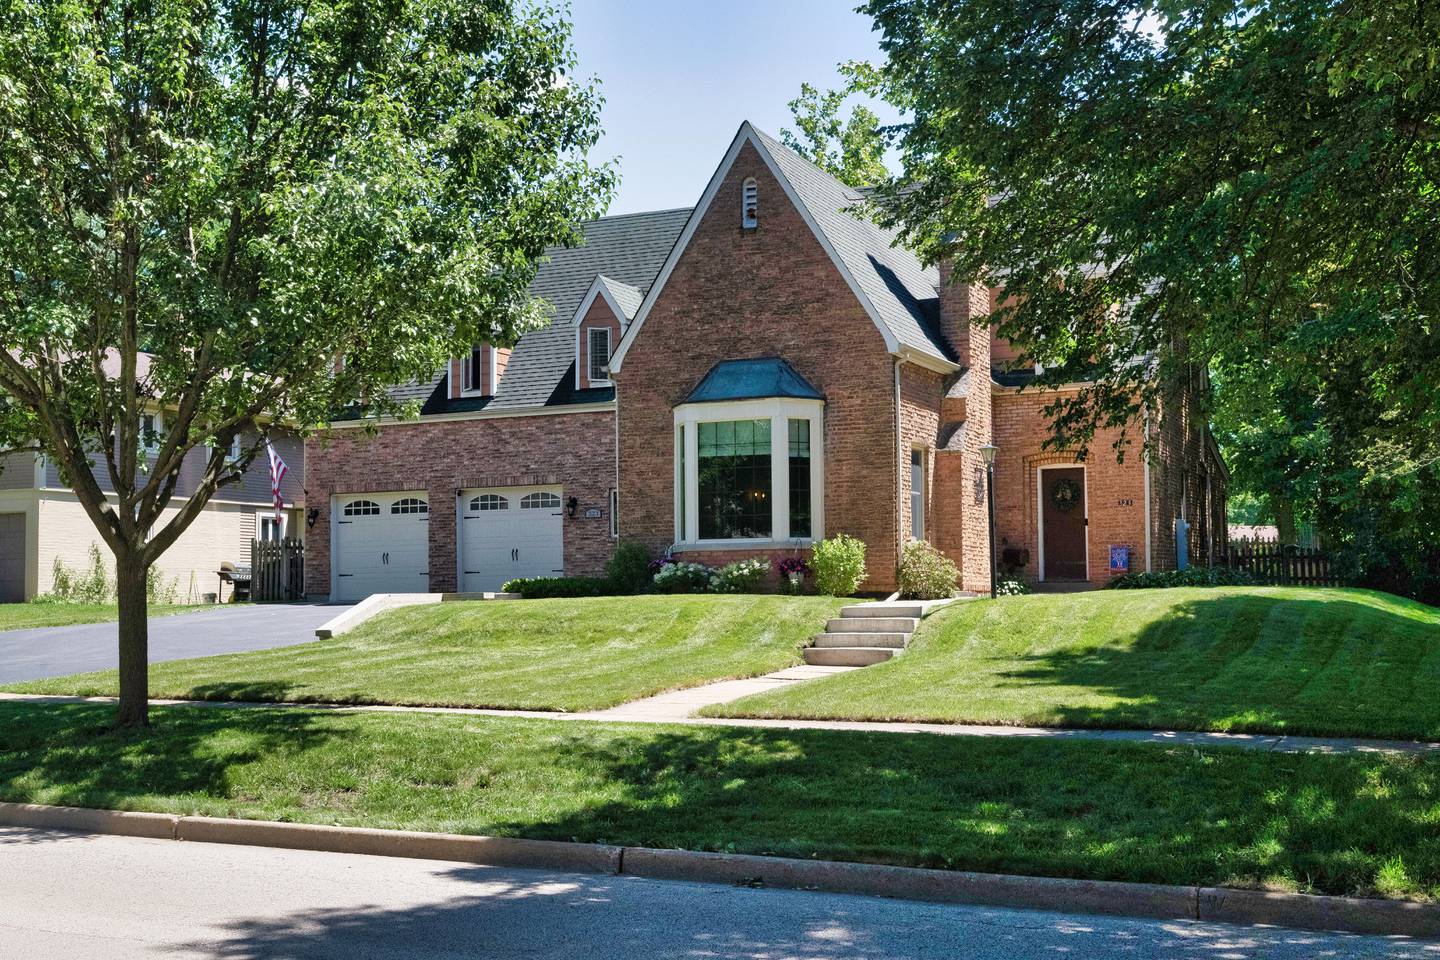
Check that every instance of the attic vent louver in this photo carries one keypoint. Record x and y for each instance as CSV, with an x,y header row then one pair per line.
x,y
750,205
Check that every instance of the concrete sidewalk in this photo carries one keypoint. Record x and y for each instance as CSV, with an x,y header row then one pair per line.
x,y
679,707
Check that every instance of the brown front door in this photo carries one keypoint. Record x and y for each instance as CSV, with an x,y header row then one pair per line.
x,y
1062,505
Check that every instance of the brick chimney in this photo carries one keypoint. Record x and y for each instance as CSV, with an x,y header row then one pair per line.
x,y
968,526
960,305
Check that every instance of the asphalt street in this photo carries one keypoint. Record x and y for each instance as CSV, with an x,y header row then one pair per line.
x,y
68,896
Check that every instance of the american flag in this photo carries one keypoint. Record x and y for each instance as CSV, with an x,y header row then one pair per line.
x,y
278,469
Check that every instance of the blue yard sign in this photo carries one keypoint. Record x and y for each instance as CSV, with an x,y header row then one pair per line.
x,y
1119,561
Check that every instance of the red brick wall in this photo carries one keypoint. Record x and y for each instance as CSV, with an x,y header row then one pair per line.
x,y
1114,492
770,291
574,450
599,315
964,530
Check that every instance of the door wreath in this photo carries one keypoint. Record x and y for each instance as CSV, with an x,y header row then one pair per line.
x,y
1065,494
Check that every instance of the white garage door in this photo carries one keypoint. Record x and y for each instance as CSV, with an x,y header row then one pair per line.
x,y
382,545
12,557
510,532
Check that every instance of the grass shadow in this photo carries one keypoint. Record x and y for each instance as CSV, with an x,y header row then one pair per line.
x,y
1090,811
1251,663
71,755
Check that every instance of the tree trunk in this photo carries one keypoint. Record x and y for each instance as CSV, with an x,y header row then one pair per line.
x,y
134,643
1284,519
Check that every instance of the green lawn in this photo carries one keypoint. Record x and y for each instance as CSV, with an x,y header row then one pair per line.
x,y
1329,824
1296,660
529,654
23,616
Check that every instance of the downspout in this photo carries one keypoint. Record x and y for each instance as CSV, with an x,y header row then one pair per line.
x,y
899,470
1145,458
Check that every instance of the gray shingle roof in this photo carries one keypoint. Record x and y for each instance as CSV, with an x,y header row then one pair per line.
x,y
900,288
628,251
629,298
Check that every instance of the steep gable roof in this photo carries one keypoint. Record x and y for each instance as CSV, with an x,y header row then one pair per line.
x,y
895,289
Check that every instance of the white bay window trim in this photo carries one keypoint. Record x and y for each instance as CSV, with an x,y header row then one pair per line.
x,y
779,411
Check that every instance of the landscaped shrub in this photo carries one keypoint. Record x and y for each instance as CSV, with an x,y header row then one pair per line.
x,y
839,564
1011,588
926,573
742,576
541,588
1189,577
629,568
681,577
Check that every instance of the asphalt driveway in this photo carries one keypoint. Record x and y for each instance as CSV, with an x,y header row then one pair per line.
x,y
57,651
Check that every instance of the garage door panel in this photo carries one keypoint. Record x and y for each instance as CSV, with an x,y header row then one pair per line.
x,y
510,532
382,545
12,557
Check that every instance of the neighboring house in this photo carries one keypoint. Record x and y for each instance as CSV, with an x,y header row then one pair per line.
x,y
739,380
42,522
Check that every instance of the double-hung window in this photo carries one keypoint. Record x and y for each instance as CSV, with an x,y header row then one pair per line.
x,y
748,471
479,375
598,356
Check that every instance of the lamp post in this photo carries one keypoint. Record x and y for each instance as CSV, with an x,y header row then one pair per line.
x,y
987,453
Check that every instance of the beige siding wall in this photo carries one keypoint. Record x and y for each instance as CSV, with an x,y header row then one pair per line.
x,y
218,534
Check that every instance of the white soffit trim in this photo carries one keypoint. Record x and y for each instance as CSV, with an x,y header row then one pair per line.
x,y
746,134
598,289
483,414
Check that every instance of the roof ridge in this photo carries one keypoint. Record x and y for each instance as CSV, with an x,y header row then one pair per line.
x,y
639,213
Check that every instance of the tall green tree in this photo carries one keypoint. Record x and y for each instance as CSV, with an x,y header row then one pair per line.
x,y
1247,185
247,212
851,149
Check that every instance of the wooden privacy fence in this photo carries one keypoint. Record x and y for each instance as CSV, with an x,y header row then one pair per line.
x,y
1283,564
277,570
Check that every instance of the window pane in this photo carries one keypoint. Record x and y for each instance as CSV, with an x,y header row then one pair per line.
x,y
734,479
599,353
680,480
800,478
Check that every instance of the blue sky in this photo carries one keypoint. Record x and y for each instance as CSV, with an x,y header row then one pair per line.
x,y
680,76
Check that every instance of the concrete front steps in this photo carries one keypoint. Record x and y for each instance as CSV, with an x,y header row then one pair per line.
x,y
867,633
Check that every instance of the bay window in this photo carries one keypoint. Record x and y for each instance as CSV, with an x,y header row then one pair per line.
x,y
748,471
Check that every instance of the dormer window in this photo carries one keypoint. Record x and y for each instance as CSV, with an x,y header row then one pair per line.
x,y
598,355
749,205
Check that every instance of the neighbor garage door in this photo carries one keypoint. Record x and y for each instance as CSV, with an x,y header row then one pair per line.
x,y
382,545
509,532
12,557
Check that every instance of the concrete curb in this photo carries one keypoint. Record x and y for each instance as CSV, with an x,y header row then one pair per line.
x,y
496,851
1155,901
378,603
912,883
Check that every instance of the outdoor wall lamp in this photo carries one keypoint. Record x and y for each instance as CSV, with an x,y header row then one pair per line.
x,y
571,506
311,516
987,453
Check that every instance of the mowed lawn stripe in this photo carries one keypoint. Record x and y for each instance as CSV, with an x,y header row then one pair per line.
x,y
524,654
1325,662
1363,824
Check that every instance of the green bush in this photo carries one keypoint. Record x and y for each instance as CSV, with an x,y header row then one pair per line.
x,y
1011,588
91,585
541,588
682,577
1189,577
926,573
629,568
742,576
839,565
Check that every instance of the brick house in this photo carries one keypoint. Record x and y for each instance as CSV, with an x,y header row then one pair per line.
x,y
738,380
